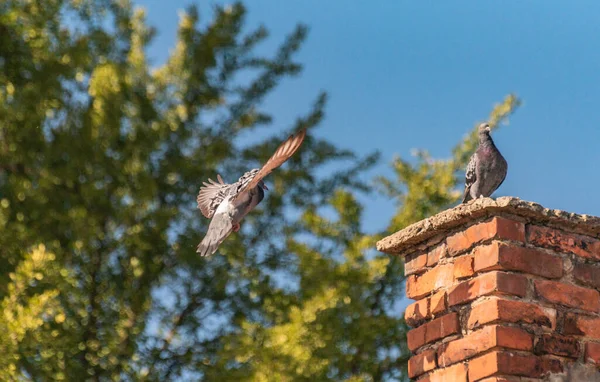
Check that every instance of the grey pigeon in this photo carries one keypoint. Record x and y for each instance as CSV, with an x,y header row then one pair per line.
x,y
486,169
227,204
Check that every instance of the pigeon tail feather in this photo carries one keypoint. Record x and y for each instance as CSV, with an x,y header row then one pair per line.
x,y
467,196
207,247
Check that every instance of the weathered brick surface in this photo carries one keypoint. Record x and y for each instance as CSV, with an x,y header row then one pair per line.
x,y
513,338
592,352
417,312
568,295
497,228
587,274
437,303
426,308
436,254
454,373
442,327
557,345
421,363
509,257
485,284
419,262
561,241
482,340
500,310
502,362
432,331
463,267
415,263
418,286
579,325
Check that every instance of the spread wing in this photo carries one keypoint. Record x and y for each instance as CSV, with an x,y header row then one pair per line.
x,y
211,195
470,176
282,154
218,230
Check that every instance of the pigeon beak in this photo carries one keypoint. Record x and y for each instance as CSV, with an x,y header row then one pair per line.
x,y
264,186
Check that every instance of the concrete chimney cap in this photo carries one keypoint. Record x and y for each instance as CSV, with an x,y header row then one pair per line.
x,y
405,240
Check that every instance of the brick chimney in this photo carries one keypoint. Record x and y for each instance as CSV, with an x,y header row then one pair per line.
x,y
504,289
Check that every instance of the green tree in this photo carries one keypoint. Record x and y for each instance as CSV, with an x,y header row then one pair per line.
x,y
100,161
101,158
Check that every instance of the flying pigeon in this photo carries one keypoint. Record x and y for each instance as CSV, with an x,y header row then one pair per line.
x,y
486,169
227,204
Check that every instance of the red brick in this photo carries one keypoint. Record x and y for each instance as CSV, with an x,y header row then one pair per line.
x,y
587,274
482,340
437,303
513,338
568,295
436,254
592,352
500,310
513,258
557,345
497,228
421,363
454,373
442,327
561,241
579,325
415,338
503,379
502,362
418,286
463,267
425,309
432,331
417,312
485,284
418,262
415,263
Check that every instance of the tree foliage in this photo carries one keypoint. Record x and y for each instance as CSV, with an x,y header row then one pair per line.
x,y
101,157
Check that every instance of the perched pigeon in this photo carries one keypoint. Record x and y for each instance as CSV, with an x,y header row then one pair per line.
x,y
227,204
486,169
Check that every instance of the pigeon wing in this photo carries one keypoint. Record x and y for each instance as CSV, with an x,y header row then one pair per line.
x,y
218,230
211,195
470,176
282,154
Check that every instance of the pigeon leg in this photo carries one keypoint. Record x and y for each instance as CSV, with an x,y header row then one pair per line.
x,y
236,227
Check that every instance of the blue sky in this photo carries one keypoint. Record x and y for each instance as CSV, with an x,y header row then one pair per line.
x,y
404,75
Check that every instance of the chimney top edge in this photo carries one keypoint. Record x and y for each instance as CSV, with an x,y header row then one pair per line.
x,y
404,241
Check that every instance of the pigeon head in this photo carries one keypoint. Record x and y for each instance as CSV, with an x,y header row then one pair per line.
x,y
484,132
